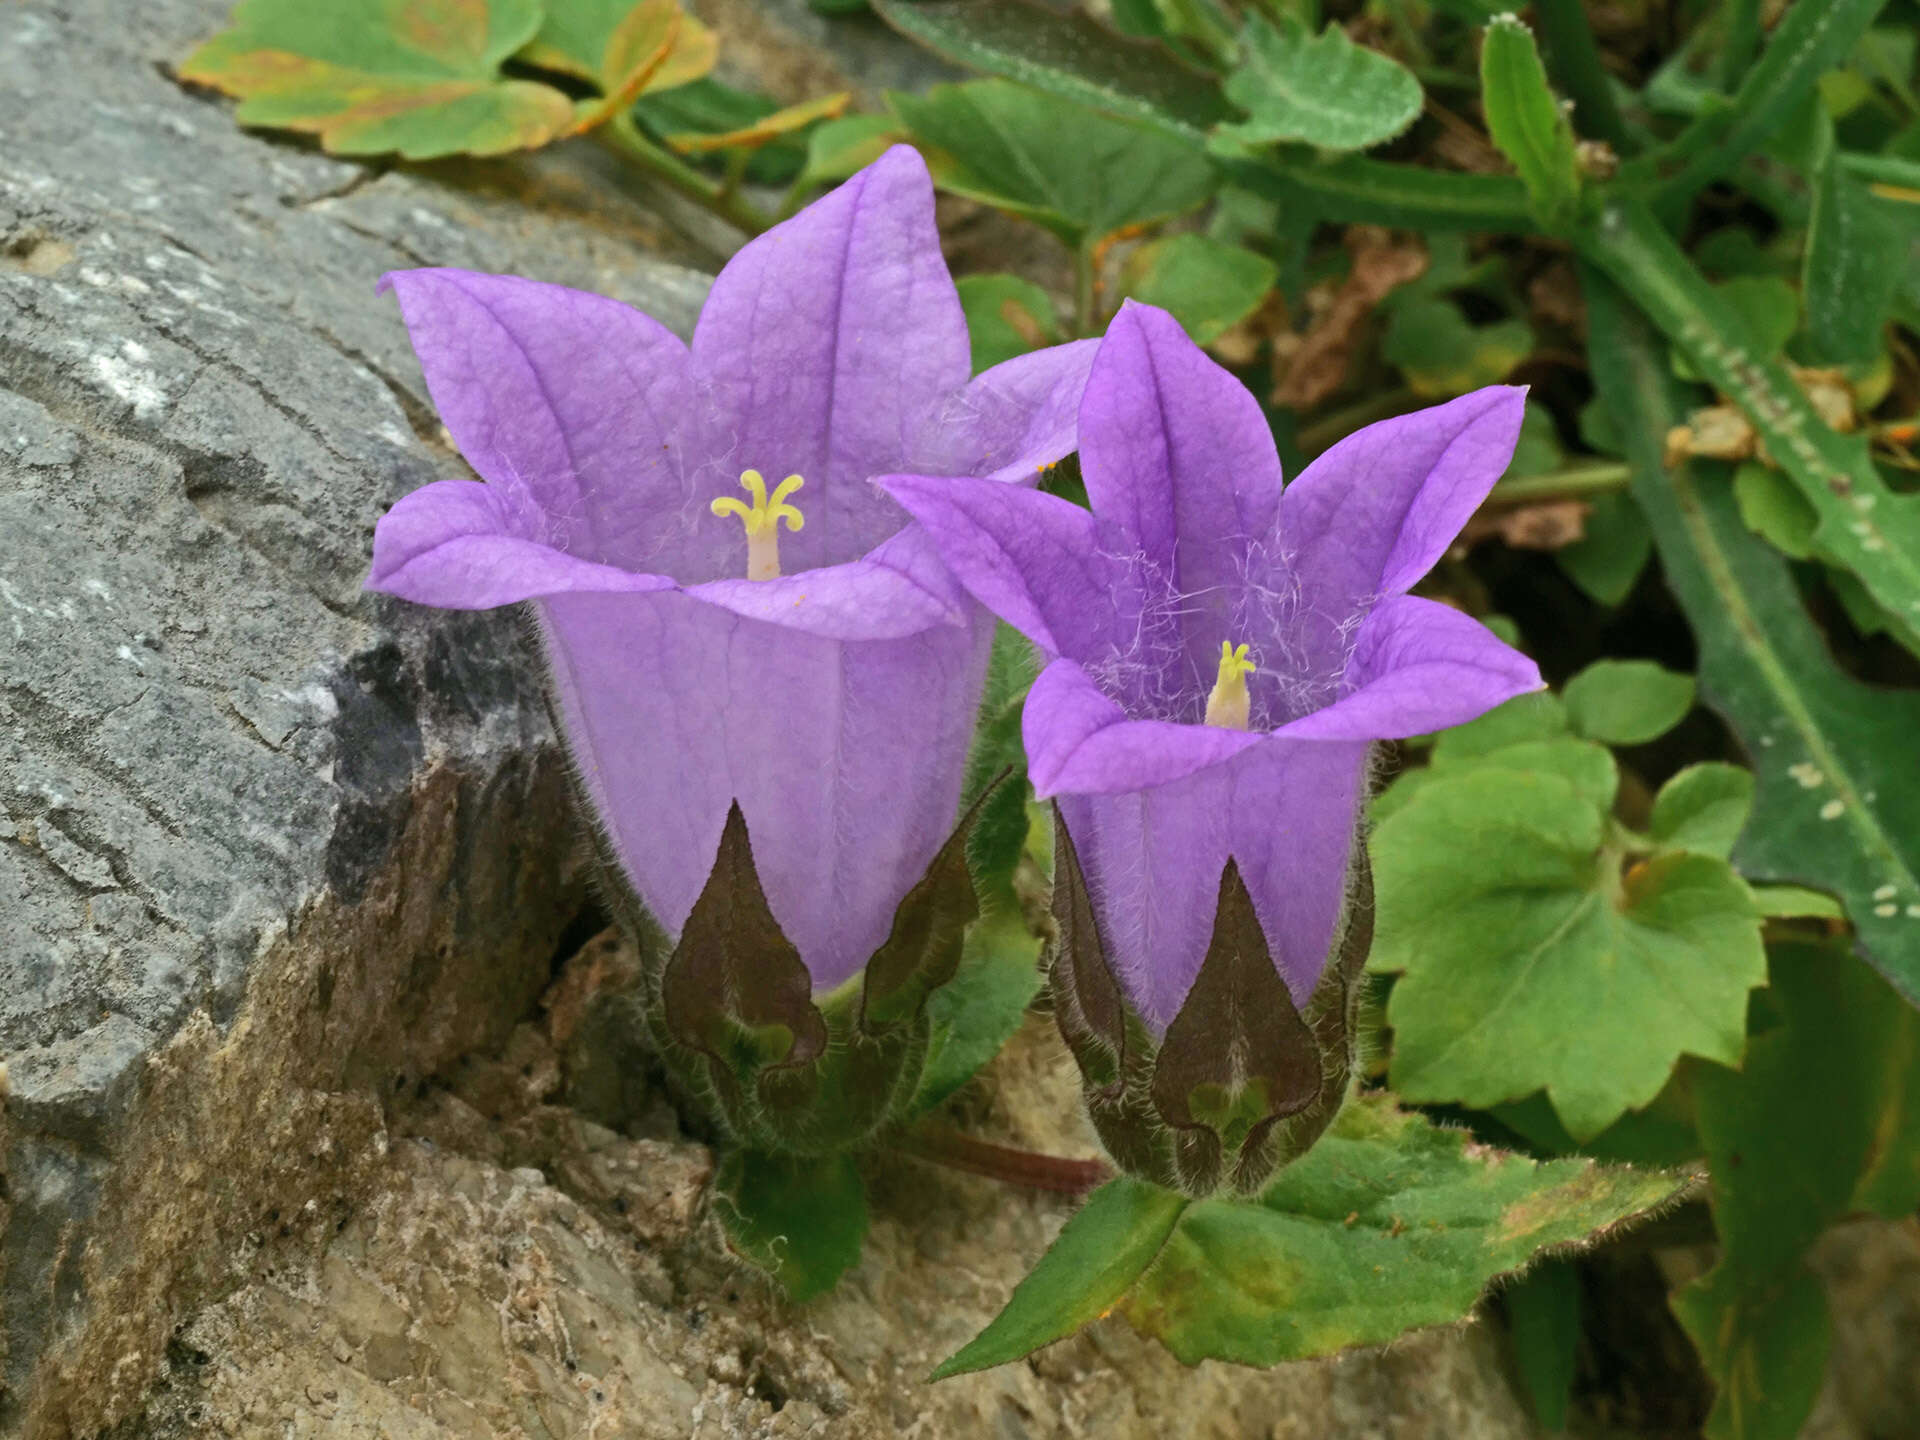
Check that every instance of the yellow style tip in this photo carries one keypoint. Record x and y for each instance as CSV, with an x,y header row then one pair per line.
x,y
1229,706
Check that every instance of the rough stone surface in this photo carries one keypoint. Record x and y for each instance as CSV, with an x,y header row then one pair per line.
x,y
267,846
521,1270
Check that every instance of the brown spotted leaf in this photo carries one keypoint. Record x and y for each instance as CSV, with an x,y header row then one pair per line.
x,y
1388,1224
420,77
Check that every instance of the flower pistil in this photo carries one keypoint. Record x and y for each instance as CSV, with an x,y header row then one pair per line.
x,y
1228,704
762,520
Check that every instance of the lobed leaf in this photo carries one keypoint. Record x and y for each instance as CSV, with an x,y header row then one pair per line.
x,y
420,77
1321,90
1532,962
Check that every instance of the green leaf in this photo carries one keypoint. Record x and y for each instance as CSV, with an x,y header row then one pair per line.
x,y
1006,316
1627,702
1441,354
836,149
1543,1324
802,1221
1321,90
975,1014
1861,523
1767,306
1527,123
1836,808
1066,53
1820,1121
1208,287
1082,174
1765,1348
1532,962
1794,902
421,77
613,45
1773,508
1606,562
1099,1254
1354,189
1703,809
1856,252
1390,1223
1814,37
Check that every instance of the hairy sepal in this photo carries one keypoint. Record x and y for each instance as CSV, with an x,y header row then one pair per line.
x,y
1243,1081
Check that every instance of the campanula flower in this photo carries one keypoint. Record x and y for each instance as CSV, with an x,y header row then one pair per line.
x,y
732,612
1221,656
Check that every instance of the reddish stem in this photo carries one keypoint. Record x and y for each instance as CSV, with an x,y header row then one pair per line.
x,y
1006,1164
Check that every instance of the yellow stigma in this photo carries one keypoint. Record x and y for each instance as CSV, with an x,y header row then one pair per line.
x,y
1228,704
762,520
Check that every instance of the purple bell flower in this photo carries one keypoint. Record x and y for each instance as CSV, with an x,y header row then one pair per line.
x,y
1221,658
801,653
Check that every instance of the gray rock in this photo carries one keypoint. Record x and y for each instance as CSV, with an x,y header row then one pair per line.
x,y
268,846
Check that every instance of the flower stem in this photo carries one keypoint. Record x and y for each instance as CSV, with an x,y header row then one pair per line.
x,y
1086,288
1576,482
1316,437
670,170
1003,1163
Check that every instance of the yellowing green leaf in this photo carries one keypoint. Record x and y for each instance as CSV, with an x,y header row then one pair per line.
x,y
420,77
1389,1223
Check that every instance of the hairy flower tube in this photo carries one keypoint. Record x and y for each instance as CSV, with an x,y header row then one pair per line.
x,y
768,696
1221,655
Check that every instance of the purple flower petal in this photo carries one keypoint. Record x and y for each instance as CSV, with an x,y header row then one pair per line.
x,y
1283,809
1081,742
450,544
846,758
1373,514
824,345
900,589
1033,559
1179,458
578,408
1419,666
1013,420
